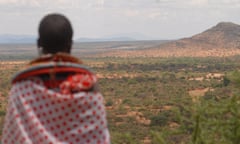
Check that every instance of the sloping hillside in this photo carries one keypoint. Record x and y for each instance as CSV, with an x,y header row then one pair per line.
x,y
220,40
223,35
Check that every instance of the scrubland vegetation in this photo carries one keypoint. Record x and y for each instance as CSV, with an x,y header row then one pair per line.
x,y
163,100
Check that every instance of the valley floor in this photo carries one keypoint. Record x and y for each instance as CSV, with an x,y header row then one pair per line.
x,y
162,100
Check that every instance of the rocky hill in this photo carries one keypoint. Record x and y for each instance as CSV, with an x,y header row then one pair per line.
x,y
221,40
223,35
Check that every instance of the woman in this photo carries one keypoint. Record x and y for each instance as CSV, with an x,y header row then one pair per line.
x,y
55,100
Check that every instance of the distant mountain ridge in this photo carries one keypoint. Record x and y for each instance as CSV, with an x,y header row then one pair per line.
x,y
25,39
17,39
221,40
104,39
223,35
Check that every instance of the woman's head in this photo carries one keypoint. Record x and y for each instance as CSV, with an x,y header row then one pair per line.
x,y
55,34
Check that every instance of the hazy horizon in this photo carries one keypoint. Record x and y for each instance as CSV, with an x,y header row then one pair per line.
x,y
152,19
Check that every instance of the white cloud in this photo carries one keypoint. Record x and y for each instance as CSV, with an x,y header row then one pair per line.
x,y
131,13
226,4
230,1
46,4
117,3
100,2
7,1
154,15
19,2
199,2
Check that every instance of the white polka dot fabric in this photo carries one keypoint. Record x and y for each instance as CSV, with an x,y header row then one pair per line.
x,y
37,115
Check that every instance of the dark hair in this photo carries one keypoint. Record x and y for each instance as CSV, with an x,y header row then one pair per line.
x,y
55,34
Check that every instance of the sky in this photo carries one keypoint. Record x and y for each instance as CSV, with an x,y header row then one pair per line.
x,y
153,19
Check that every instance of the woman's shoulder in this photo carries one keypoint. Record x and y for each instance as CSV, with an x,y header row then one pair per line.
x,y
52,64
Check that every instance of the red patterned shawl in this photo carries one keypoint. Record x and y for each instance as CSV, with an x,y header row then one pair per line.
x,y
47,108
